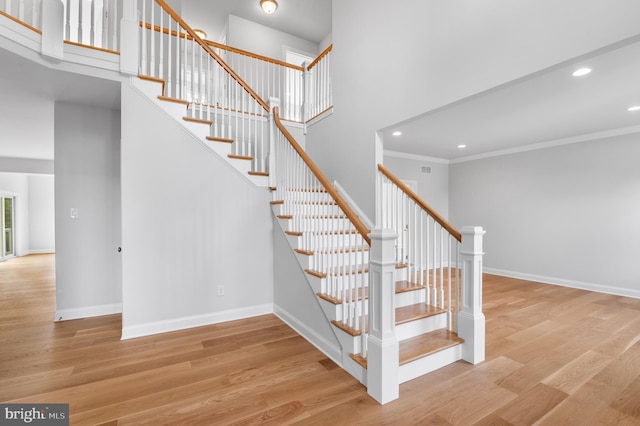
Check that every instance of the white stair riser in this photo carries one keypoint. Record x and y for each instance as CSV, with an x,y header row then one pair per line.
x,y
319,241
430,363
309,209
309,196
350,344
407,298
424,325
334,285
318,262
311,224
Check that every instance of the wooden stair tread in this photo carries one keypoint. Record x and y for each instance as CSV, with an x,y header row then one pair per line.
x,y
174,100
405,286
217,139
252,173
197,120
415,312
240,157
427,344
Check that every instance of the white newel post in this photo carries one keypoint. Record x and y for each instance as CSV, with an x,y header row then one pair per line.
x,y
471,325
273,102
52,13
306,96
129,33
383,356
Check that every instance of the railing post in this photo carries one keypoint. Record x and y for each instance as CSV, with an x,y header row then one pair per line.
x,y
306,96
52,13
383,357
129,32
471,323
273,102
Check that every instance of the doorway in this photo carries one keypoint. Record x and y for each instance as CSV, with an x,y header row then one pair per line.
x,y
7,224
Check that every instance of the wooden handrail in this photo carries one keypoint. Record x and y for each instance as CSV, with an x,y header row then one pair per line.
x,y
442,221
213,54
355,219
324,53
14,19
253,55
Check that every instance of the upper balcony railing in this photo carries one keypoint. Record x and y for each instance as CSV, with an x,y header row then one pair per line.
x,y
94,23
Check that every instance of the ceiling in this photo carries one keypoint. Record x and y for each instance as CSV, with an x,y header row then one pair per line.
x,y
307,19
546,108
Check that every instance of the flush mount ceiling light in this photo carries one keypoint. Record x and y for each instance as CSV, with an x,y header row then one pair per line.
x,y
580,72
201,34
634,108
269,6
462,146
397,133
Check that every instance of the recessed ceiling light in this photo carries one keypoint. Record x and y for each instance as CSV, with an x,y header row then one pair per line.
x,y
580,72
634,108
462,146
397,133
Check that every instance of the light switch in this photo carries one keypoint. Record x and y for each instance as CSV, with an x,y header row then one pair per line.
x,y
74,213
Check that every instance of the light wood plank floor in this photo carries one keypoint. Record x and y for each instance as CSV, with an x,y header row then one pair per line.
x,y
555,356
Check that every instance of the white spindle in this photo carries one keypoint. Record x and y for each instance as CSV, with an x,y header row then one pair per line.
x,y
85,22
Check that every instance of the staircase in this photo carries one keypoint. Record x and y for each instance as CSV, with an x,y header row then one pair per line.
x,y
398,301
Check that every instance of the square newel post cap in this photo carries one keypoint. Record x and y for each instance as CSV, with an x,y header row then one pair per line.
x,y
472,238
383,246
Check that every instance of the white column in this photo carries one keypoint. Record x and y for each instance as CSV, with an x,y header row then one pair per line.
x,y
273,102
471,325
52,13
305,108
129,32
383,356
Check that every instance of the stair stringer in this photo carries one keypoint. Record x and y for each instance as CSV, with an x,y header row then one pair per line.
x,y
152,89
345,345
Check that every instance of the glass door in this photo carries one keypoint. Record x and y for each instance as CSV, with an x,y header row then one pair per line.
x,y
7,223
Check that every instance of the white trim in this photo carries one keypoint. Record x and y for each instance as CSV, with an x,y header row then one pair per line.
x,y
417,157
165,326
618,291
343,192
88,311
323,345
318,118
552,143
42,251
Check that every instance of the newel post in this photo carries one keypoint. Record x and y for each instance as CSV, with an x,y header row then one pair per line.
x,y
383,353
273,102
471,325
52,13
129,33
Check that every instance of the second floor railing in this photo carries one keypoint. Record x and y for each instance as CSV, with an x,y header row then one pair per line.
x,y
94,23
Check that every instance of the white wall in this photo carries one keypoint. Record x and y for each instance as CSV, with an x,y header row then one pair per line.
x,y
296,303
17,185
265,41
190,223
566,215
432,187
18,107
393,63
41,213
87,177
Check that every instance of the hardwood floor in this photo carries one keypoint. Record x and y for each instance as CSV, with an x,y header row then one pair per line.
x,y
555,356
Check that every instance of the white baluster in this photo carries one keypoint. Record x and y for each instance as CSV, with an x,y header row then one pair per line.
x,y
85,22
97,27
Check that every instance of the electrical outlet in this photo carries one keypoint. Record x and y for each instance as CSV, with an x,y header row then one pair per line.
x,y
220,290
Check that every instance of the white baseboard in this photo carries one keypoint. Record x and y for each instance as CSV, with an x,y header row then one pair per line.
x,y
618,291
49,251
323,345
87,312
166,326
